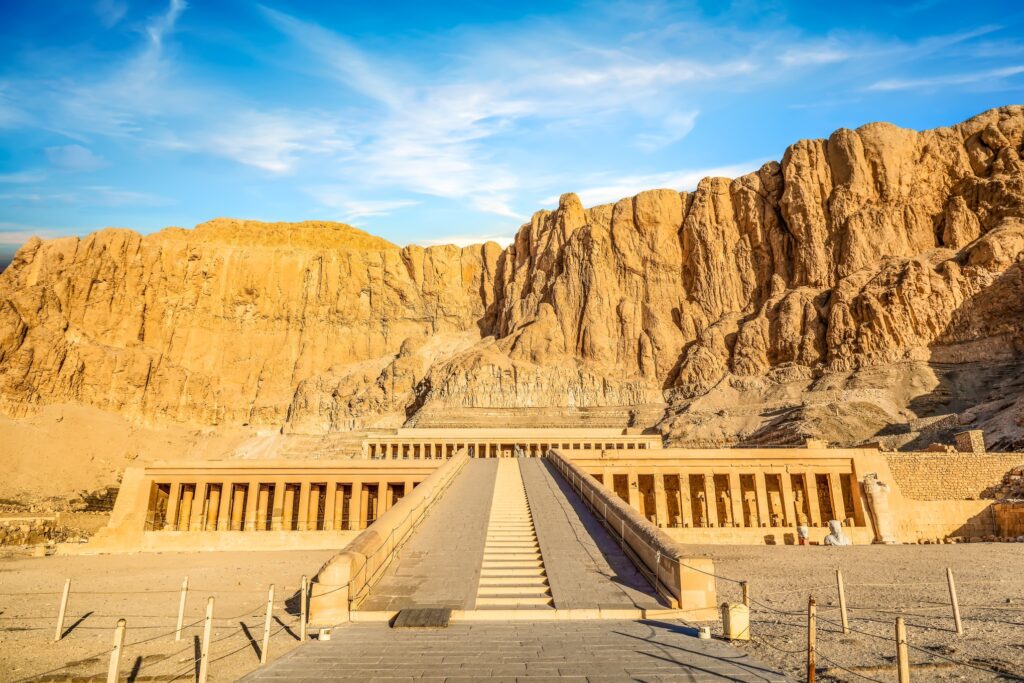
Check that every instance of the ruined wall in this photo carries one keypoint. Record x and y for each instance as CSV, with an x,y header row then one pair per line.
x,y
951,476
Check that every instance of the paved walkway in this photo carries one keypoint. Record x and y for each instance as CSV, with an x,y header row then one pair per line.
x,y
440,565
585,567
567,651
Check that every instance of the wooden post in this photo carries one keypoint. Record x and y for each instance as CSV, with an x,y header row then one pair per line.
x,y
181,609
842,601
902,663
204,654
954,601
63,610
304,593
115,655
266,626
746,592
812,638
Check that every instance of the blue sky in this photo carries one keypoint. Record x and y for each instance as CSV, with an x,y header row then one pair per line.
x,y
429,122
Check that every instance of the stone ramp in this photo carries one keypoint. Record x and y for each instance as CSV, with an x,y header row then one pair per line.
x,y
512,575
647,650
439,566
586,569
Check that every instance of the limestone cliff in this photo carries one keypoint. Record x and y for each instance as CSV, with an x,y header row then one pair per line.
x,y
826,294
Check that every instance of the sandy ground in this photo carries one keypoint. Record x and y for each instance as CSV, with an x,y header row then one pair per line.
x,y
145,589
883,582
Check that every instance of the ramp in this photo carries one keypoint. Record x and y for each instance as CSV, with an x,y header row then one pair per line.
x,y
512,574
439,566
585,566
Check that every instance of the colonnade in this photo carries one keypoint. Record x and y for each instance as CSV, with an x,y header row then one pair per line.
x,y
761,497
289,504
399,448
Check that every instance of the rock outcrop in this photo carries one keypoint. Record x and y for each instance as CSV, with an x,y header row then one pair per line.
x,y
878,252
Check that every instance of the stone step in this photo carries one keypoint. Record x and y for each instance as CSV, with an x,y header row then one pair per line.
x,y
508,601
494,572
538,580
513,589
512,564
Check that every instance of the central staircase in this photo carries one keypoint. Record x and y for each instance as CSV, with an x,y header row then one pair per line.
x,y
512,575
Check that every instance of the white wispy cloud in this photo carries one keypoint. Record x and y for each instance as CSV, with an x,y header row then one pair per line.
x,y
674,128
349,208
92,195
814,55
683,180
273,141
20,177
74,158
988,76
110,12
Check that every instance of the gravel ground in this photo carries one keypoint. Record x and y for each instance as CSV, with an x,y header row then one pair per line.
x,y
145,590
883,582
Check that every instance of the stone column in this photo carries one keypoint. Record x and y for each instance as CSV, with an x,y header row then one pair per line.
x,y
330,503
313,510
262,501
250,505
835,491
185,510
858,502
338,511
685,503
660,500
364,505
173,504
288,503
213,510
198,514
383,497
811,489
788,500
710,500
761,488
303,522
736,498
237,506
353,507
633,489
277,516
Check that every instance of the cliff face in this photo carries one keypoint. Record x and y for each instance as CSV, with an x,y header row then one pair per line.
x,y
871,250
220,324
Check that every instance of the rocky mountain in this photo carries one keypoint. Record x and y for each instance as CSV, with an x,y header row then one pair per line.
x,y
861,283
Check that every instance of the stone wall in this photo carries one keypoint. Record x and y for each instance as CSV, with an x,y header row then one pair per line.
x,y
950,476
1009,518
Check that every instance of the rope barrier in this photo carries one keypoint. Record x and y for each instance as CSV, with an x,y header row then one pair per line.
x,y
839,666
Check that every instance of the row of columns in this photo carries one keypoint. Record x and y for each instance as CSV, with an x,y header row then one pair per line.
x,y
728,503
435,450
258,505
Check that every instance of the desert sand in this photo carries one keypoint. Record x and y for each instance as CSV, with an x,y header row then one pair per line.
x,y
881,582
145,590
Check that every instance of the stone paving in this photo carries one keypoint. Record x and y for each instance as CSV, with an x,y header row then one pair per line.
x,y
440,565
649,650
585,567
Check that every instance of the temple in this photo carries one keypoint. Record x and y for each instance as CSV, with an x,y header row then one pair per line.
x,y
695,495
